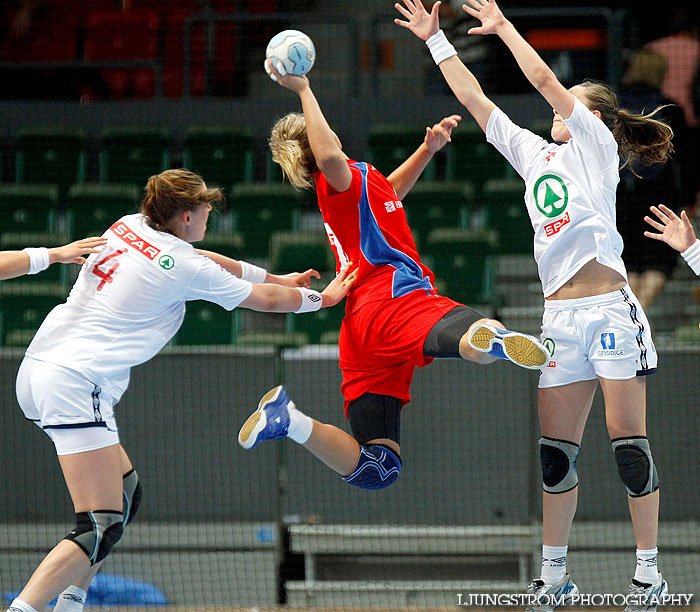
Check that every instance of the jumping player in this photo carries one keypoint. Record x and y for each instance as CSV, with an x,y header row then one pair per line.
x,y
33,260
600,333
676,232
394,319
128,301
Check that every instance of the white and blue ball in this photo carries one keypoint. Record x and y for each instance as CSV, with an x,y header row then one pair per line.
x,y
294,49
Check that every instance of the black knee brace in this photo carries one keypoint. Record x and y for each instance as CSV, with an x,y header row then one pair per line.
x,y
558,460
96,532
635,465
132,495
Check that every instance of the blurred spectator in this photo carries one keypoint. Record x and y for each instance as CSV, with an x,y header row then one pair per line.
x,y
649,263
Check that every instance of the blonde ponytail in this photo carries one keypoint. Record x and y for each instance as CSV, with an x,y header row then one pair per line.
x,y
290,148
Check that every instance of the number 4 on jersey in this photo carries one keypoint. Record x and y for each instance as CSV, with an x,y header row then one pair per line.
x,y
106,276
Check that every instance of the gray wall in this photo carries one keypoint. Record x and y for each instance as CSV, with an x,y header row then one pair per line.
x,y
468,444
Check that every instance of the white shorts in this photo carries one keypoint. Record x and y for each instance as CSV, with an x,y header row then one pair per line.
x,y
602,336
75,413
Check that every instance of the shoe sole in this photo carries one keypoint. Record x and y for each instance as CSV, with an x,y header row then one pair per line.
x,y
518,348
254,425
565,602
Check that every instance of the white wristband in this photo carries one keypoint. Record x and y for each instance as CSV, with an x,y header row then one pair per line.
x,y
440,47
38,259
310,300
692,257
251,273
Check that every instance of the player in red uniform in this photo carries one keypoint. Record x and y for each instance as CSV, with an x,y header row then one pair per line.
x,y
395,320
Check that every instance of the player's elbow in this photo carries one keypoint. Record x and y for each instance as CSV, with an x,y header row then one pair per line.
x,y
543,78
268,298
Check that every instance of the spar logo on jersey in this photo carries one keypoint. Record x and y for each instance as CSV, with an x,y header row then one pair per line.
x,y
166,262
554,227
551,195
135,241
607,341
550,346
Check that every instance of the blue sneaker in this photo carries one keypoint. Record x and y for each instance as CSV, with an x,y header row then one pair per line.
x,y
523,350
269,422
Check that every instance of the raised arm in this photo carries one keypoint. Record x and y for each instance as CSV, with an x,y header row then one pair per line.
x,y
324,143
532,65
463,83
406,175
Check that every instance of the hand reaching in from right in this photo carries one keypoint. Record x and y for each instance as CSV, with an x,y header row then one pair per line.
x,y
676,232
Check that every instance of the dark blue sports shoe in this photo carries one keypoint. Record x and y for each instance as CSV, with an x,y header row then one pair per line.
x,y
269,422
523,350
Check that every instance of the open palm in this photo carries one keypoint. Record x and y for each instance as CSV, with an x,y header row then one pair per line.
x,y
487,12
420,22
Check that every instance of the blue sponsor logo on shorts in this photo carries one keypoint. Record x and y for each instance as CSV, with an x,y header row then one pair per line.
x,y
607,340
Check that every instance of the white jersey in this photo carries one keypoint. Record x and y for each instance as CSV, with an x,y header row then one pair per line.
x,y
569,193
128,302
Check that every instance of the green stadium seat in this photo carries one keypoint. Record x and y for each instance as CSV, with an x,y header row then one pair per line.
x,y
207,323
430,205
470,157
93,207
221,155
132,154
296,251
391,144
54,155
505,212
278,339
260,210
229,244
462,260
21,313
322,323
273,171
31,216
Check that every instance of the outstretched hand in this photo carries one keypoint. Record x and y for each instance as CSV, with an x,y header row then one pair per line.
x,y
676,232
73,252
441,133
296,279
338,288
420,22
488,13
278,74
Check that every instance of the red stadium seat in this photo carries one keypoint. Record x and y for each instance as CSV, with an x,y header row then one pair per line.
x,y
128,35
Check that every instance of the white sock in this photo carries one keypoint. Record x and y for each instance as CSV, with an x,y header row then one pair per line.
x,y
71,600
300,425
553,564
19,606
647,570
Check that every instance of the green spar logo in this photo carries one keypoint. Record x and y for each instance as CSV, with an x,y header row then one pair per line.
x,y
551,195
549,345
166,262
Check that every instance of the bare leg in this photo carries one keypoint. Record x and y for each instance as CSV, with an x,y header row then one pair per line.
x,y
625,413
651,283
563,413
94,480
84,581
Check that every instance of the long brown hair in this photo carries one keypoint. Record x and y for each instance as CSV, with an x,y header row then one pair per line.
x,y
290,148
173,191
639,136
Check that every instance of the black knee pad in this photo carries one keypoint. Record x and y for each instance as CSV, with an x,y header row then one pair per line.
x,y
374,416
558,460
377,468
635,465
96,532
132,495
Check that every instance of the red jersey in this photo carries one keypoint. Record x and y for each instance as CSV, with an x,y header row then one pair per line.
x,y
366,224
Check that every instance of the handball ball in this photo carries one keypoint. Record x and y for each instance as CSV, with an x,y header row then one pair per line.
x,y
294,49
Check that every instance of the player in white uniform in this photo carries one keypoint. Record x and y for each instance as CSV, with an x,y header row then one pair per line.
x,y
593,324
127,303
676,232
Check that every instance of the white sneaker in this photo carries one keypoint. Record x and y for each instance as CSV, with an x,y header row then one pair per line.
x,y
548,597
646,598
